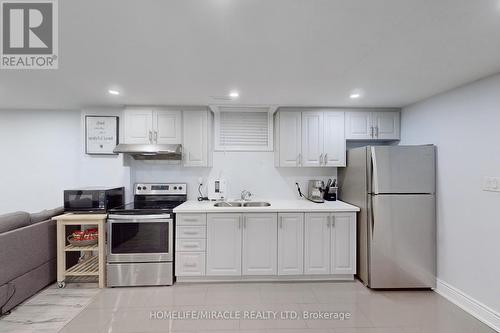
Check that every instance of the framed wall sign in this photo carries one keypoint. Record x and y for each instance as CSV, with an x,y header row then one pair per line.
x,y
101,135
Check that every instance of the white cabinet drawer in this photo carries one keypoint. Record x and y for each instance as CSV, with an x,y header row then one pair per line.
x,y
191,219
191,232
190,245
190,264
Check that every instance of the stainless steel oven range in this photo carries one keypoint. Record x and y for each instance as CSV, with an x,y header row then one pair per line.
x,y
141,237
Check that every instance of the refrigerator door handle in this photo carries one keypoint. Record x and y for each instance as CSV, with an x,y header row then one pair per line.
x,y
374,171
371,230
372,219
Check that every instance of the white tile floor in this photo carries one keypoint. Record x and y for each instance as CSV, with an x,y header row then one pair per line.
x,y
48,311
129,309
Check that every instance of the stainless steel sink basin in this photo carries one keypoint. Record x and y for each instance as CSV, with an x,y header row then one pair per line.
x,y
228,204
242,204
256,204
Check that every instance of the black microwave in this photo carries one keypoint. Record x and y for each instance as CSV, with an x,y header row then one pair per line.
x,y
93,199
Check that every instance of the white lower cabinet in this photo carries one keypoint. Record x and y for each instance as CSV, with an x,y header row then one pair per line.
x,y
190,244
317,243
224,244
232,245
190,264
290,243
260,244
330,243
343,243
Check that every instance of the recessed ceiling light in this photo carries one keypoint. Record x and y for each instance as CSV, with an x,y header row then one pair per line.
x,y
234,94
355,94
113,92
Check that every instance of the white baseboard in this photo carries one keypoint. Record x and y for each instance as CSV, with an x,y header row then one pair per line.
x,y
469,304
265,278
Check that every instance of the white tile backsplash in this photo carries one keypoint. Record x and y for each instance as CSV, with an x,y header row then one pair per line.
x,y
253,171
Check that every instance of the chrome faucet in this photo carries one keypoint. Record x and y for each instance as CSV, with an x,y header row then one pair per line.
x,y
245,195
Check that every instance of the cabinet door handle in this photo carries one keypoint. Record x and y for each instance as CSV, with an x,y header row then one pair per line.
x,y
150,136
244,222
239,222
328,221
333,221
156,136
371,131
376,131
320,159
326,159
281,222
300,159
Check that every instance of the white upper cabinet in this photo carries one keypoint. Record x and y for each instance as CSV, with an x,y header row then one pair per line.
x,y
291,244
196,138
224,244
288,138
152,126
376,125
260,244
167,127
386,125
334,139
138,126
358,125
312,138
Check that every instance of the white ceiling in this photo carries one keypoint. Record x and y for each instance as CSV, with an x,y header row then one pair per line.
x,y
284,52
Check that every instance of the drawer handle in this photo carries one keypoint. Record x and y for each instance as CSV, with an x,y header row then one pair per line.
x,y
190,265
192,246
190,220
190,232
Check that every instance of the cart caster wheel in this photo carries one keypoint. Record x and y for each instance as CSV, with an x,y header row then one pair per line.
x,y
61,285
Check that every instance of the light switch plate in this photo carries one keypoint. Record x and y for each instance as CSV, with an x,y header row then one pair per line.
x,y
491,184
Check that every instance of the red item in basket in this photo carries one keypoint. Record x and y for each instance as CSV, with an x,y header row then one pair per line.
x,y
78,235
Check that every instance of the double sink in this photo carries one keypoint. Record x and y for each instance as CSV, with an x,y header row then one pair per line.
x,y
242,204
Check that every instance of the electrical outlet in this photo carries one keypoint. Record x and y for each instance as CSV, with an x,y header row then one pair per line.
x,y
491,184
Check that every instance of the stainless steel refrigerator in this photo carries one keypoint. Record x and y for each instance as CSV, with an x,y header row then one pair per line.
x,y
395,188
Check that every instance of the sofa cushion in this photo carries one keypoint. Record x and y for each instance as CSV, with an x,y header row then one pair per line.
x,y
46,214
14,221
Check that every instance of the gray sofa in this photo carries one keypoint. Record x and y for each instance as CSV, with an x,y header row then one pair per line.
x,y
27,255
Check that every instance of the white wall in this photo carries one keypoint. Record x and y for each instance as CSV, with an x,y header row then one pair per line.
x,y
465,126
38,158
102,170
43,153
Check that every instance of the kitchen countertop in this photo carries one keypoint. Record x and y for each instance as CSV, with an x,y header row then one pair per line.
x,y
282,206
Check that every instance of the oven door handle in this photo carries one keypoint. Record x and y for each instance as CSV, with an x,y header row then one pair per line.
x,y
139,218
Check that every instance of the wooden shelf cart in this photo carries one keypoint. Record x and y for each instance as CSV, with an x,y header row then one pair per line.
x,y
93,265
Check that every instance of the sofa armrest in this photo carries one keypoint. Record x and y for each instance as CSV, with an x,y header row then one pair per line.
x,y
26,248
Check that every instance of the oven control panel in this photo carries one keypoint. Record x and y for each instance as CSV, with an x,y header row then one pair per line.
x,y
162,189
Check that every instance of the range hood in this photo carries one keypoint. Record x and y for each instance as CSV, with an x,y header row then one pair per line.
x,y
150,151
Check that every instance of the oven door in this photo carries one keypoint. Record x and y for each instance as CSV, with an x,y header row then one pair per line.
x,y
134,238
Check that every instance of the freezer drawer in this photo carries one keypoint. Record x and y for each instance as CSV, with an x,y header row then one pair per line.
x,y
402,237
